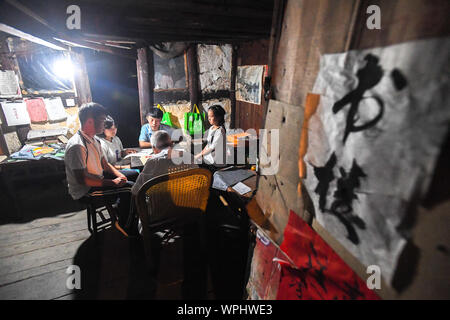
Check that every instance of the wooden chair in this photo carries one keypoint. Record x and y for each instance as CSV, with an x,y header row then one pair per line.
x,y
97,203
171,201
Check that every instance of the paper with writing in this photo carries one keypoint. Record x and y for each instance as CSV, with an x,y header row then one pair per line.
x,y
373,142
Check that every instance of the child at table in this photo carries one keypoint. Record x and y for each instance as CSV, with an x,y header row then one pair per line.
x,y
214,153
113,149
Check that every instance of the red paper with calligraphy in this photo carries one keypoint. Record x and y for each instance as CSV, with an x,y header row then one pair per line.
x,y
265,272
321,274
36,110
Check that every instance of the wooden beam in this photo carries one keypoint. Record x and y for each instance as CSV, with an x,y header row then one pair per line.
x,y
253,9
194,83
161,20
77,42
146,83
195,22
172,33
26,21
234,55
241,9
277,21
15,32
185,32
81,79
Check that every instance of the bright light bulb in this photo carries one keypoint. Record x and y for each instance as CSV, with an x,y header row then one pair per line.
x,y
63,68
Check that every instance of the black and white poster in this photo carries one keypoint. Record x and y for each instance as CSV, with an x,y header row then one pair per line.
x,y
249,83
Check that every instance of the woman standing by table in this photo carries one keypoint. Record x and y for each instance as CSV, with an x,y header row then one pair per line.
x,y
214,152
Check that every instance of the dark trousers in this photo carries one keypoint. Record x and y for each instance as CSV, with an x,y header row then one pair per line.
x,y
125,206
130,174
209,167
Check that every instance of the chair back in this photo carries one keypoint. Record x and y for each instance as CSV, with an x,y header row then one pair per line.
x,y
170,197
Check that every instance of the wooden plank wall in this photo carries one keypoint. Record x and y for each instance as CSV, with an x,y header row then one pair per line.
x,y
81,79
250,115
311,28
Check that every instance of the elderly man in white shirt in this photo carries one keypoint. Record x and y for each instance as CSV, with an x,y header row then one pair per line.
x,y
164,158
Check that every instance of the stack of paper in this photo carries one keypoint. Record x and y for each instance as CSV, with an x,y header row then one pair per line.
x,y
241,188
224,179
35,134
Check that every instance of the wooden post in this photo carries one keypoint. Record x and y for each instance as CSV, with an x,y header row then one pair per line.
x,y
7,62
234,55
275,33
146,83
194,83
80,78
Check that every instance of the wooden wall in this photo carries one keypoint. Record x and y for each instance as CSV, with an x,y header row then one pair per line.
x,y
250,115
312,28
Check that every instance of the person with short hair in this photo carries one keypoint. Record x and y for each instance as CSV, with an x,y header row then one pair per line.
x,y
214,153
113,149
111,144
161,161
153,117
87,169
165,160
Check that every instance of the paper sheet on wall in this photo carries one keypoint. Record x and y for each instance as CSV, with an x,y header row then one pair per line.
x,y
373,142
36,110
70,102
55,109
249,83
9,84
16,113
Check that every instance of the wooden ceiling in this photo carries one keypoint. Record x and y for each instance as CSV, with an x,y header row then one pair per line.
x,y
121,26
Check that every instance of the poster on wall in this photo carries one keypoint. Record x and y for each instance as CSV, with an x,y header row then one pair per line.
x,y
9,85
16,113
36,110
55,109
373,142
249,84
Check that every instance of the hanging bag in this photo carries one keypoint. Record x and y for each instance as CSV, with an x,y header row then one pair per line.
x,y
167,117
194,122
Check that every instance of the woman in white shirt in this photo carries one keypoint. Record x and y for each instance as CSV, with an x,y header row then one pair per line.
x,y
111,145
214,152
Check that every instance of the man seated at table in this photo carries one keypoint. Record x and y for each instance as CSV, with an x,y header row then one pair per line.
x,y
164,158
87,170
153,117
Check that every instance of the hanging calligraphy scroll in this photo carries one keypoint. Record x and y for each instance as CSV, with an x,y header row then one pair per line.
x,y
373,142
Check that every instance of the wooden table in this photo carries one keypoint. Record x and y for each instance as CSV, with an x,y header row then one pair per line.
x,y
250,182
16,174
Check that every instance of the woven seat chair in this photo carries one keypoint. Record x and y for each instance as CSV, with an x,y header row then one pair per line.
x,y
172,200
